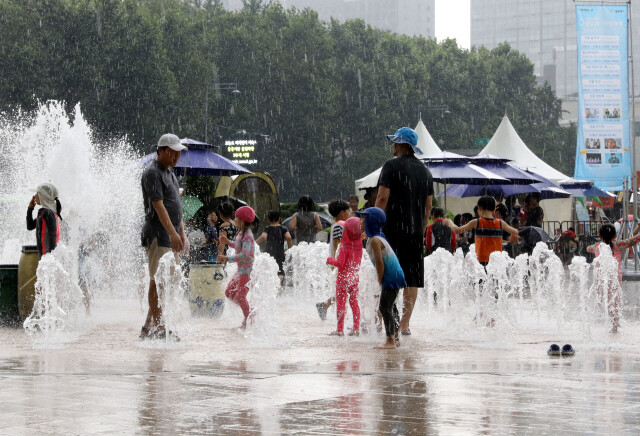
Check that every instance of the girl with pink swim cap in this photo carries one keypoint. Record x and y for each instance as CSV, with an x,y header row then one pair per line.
x,y
348,264
244,245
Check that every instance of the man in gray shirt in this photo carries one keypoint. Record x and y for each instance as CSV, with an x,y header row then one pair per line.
x,y
163,229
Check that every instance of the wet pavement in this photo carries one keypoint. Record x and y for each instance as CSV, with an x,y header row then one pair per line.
x,y
219,380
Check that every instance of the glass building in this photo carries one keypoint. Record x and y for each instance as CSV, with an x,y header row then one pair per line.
x,y
408,17
544,30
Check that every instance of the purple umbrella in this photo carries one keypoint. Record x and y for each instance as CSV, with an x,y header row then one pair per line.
x,y
546,191
582,188
504,168
197,145
461,172
201,163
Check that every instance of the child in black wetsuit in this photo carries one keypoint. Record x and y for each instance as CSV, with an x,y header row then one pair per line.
x,y
47,222
275,234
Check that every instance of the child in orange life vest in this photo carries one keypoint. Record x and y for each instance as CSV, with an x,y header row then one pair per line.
x,y
488,230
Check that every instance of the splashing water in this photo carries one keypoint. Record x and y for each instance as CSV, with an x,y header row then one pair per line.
x,y
99,186
605,290
58,298
308,273
264,285
169,284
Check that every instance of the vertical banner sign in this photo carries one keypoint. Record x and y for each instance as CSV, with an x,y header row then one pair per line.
x,y
602,153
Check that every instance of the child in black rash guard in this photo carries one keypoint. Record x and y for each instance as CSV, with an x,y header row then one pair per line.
x,y
47,221
276,234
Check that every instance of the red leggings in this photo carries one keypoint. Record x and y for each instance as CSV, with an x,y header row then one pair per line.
x,y
237,291
342,289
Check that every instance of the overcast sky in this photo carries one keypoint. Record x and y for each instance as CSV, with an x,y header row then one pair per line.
x,y
453,20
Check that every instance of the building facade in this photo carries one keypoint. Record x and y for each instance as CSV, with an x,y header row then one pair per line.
x,y
544,30
408,17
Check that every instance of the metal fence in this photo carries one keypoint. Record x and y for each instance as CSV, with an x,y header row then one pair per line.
x,y
563,244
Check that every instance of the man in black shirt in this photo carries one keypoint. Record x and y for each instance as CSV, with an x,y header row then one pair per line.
x,y
405,193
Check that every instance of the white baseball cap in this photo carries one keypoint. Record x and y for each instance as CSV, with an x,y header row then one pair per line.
x,y
172,141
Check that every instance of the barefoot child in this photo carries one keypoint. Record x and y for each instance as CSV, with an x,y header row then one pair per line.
x,y
275,234
348,264
390,274
339,210
244,245
608,236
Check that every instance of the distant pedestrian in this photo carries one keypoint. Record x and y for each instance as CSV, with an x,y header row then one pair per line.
x,y
305,223
405,193
354,201
370,196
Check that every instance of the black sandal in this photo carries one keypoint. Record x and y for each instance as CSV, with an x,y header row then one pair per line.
x,y
162,334
144,333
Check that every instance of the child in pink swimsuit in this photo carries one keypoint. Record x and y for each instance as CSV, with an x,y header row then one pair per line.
x,y
608,236
348,264
244,245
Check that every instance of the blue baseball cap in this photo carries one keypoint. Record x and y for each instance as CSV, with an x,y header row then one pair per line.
x,y
406,135
374,221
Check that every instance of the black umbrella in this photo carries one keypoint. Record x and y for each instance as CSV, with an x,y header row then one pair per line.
x,y
531,235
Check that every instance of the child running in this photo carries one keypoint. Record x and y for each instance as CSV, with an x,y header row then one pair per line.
x,y
390,274
275,234
608,236
244,245
339,210
488,230
348,264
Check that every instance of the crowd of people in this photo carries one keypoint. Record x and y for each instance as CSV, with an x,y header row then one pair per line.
x,y
392,226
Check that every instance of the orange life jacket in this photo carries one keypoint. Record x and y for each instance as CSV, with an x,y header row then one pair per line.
x,y
488,238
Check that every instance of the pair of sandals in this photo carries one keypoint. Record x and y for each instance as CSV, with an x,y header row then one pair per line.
x,y
566,350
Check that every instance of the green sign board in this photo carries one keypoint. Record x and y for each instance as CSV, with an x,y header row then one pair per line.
x,y
481,141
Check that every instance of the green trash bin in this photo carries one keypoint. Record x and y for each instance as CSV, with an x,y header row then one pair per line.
x,y
9,314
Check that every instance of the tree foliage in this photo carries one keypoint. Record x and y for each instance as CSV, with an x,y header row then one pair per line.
x,y
325,94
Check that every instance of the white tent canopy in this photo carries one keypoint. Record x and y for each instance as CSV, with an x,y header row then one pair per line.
x,y
506,143
425,143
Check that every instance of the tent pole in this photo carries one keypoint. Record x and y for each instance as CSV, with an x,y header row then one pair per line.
x,y
632,131
445,198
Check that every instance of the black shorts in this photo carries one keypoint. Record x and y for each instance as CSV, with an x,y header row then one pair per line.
x,y
410,252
